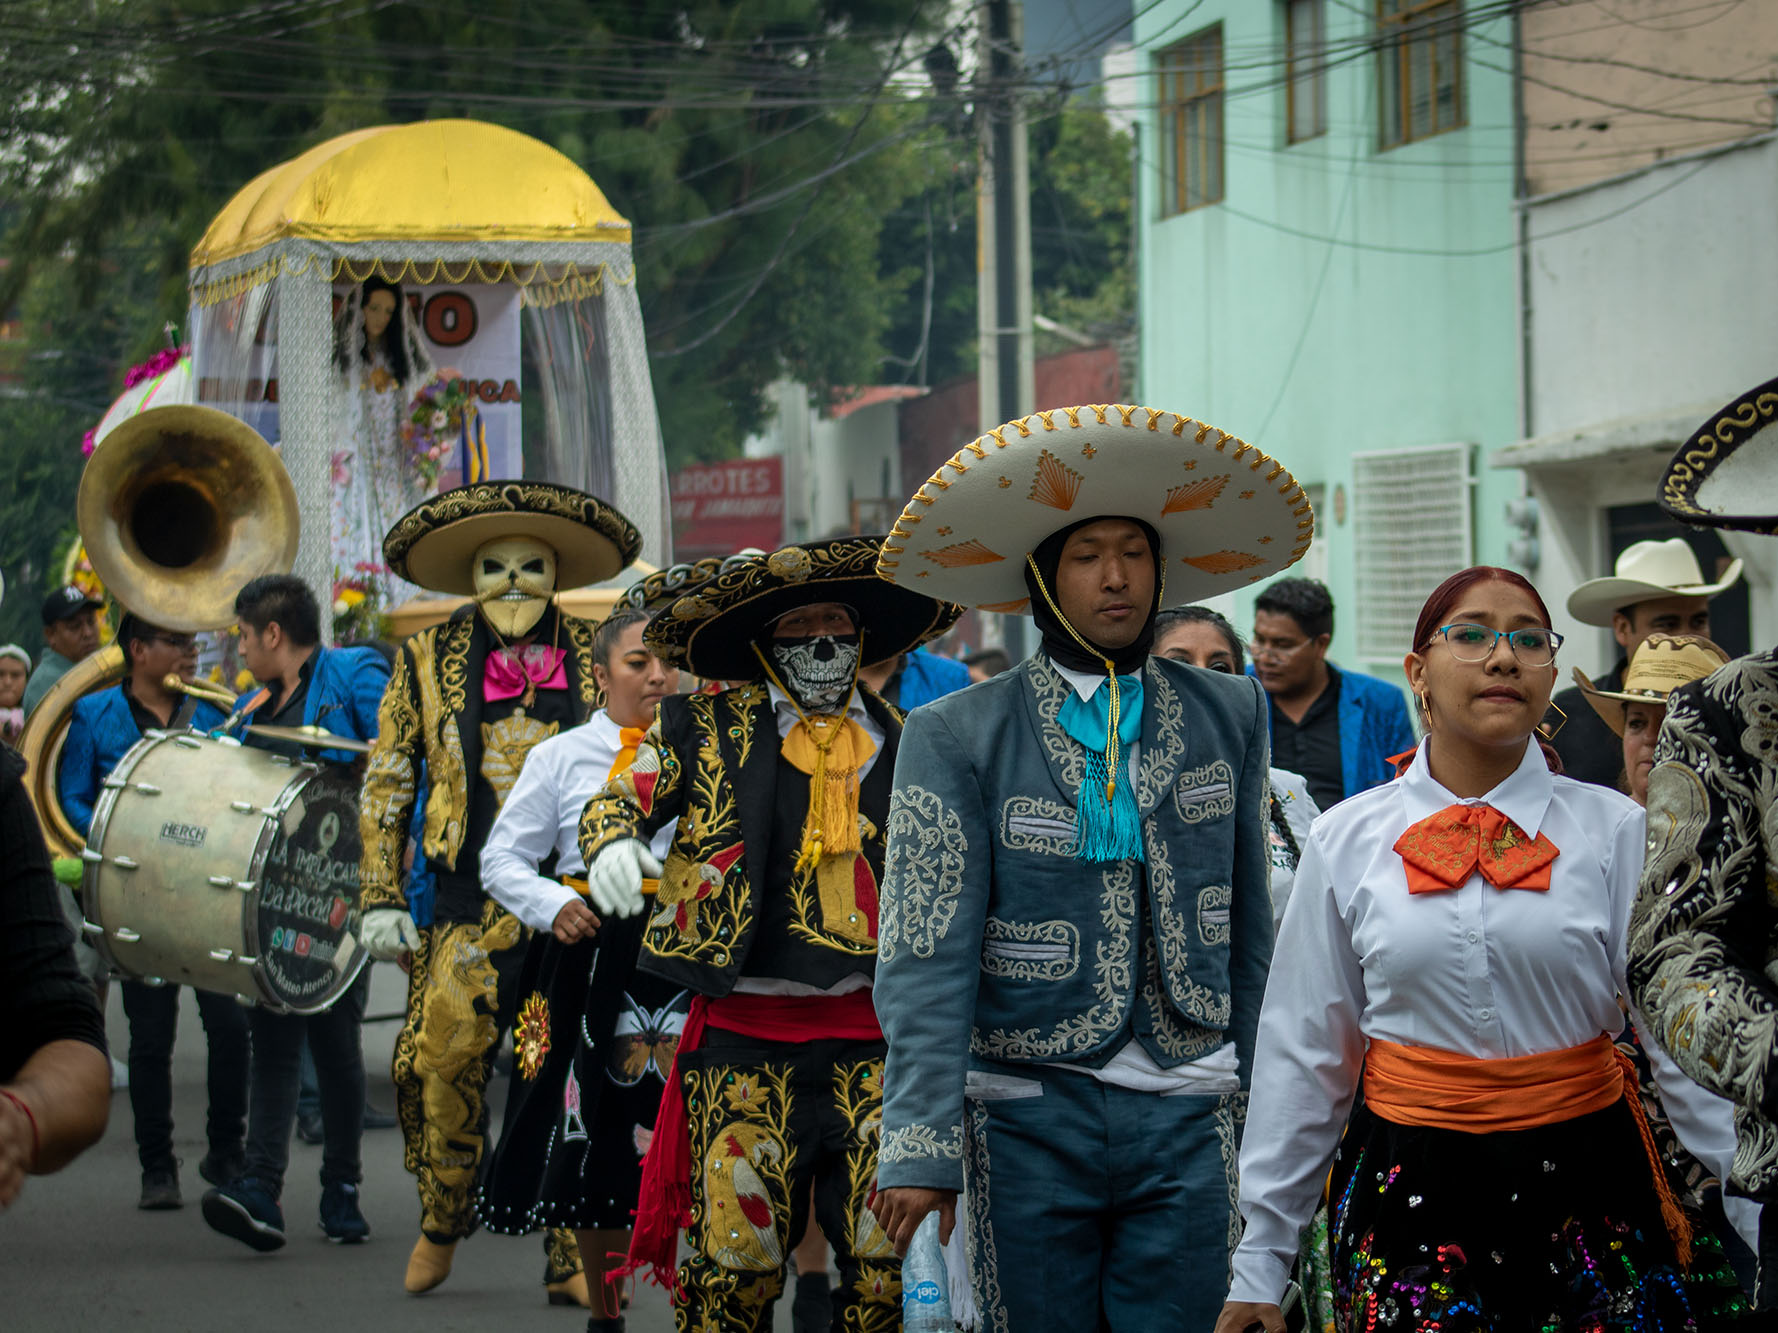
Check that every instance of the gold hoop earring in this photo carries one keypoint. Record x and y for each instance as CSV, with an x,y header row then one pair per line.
x,y
1548,732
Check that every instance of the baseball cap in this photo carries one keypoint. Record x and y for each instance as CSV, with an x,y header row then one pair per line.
x,y
67,601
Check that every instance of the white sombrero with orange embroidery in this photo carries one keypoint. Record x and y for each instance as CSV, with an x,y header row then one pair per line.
x,y
1227,514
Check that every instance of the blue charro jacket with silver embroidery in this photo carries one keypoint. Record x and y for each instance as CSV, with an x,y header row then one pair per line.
x,y
998,947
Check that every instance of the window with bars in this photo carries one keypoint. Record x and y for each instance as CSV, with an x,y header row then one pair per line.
x,y
1190,104
1305,80
1411,530
1419,68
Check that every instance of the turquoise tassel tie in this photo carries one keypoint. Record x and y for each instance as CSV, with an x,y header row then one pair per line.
x,y
1107,825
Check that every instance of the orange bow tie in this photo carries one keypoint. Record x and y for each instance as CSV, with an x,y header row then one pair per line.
x,y
1445,848
628,738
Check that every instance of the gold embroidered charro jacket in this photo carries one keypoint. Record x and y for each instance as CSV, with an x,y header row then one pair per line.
x,y
713,763
431,723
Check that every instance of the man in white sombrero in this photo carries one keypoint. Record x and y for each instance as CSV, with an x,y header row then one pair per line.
x,y
468,700
1076,925
1656,587
1704,930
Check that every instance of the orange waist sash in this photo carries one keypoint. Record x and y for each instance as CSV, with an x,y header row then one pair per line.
x,y
1415,1085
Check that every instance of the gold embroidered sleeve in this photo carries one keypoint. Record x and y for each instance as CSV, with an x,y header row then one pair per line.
x,y
637,802
386,804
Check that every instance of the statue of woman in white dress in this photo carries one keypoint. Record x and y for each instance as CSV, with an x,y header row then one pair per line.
x,y
380,364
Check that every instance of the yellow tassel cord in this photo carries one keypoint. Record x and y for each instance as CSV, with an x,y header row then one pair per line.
x,y
830,750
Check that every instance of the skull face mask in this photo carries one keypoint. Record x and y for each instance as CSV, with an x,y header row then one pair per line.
x,y
514,579
817,672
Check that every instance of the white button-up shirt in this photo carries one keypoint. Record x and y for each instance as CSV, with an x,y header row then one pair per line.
x,y
1477,970
542,814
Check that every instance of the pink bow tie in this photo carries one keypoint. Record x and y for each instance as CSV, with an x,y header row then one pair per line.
x,y
512,671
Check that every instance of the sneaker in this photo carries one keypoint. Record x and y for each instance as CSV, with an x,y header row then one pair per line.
x,y
246,1210
120,1074
375,1119
340,1216
160,1189
309,1128
219,1168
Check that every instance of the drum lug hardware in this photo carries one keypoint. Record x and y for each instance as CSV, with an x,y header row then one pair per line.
x,y
241,807
115,784
148,789
221,882
126,935
92,927
189,742
126,863
91,857
222,955
247,960
154,981
245,885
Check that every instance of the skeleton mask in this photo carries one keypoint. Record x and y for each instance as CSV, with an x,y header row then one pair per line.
x,y
817,672
514,578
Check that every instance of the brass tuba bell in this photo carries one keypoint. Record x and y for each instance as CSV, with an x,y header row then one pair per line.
x,y
179,507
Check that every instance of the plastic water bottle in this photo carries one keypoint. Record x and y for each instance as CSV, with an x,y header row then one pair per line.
x,y
925,1294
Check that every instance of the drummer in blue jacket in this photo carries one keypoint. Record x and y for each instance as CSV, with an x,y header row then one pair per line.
x,y
1075,924
103,728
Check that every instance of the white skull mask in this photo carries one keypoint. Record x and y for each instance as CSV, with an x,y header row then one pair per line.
x,y
514,578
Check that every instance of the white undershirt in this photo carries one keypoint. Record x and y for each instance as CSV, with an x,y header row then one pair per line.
x,y
542,813
1478,970
1132,1066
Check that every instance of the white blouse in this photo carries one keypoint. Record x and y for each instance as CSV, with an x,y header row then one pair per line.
x,y
1477,970
542,813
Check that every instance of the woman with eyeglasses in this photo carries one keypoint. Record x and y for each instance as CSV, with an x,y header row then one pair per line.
x,y
1456,947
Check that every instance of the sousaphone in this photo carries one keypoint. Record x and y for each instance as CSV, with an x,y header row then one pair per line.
x,y
178,507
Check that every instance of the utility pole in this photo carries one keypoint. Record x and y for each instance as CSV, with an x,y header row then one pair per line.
x,y
1005,378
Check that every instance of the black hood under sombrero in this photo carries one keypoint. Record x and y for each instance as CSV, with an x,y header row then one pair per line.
x,y
432,544
711,630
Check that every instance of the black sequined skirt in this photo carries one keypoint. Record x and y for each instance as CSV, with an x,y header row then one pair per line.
x,y
593,1039
1556,1229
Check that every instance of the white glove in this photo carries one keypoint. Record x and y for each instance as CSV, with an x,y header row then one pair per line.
x,y
389,932
614,880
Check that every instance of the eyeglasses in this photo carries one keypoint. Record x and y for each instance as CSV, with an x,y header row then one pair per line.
x,y
1476,643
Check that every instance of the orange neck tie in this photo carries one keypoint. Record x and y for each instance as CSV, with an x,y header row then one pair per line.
x,y
628,738
1445,848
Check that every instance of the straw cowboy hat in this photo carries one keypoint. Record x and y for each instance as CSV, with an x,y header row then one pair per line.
x,y
432,544
1660,664
1645,571
710,630
1726,474
1227,514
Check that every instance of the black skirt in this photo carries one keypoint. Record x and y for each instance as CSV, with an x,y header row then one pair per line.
x,y
1555,1229
593,1039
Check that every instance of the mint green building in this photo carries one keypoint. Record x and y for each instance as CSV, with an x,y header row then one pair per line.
x,y
1328,269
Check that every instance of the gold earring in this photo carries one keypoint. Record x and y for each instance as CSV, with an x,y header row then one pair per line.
x,y
1544,728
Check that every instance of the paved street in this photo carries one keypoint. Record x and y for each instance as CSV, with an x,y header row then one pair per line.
x,y
76,1255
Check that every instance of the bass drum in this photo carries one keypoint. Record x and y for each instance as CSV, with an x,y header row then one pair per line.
x,y
229,869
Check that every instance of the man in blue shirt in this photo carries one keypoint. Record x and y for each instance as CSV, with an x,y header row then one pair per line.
x,y
338,689
1337,728
104,727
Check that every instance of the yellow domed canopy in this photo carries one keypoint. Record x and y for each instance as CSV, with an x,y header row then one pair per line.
x,y
431,181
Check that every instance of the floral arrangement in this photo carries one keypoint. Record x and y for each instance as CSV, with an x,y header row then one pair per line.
x,y
161,363
435,422
356,613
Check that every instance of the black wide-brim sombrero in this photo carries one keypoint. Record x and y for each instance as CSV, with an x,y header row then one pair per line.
x,y
711,630
434,543
660,588
1726,474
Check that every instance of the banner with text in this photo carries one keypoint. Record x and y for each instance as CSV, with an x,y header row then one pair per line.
x,y
719,508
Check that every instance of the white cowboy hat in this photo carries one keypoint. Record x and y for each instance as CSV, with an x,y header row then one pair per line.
x,y
1645,571
1227,515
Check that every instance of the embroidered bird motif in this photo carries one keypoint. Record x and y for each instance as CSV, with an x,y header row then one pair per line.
x,y
739,1226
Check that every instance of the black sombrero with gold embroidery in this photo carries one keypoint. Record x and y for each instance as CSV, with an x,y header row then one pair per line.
x,y
711,629
434,542
1726,474
650,594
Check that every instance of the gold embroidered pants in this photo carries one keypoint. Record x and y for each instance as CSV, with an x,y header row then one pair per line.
x,y
768,1120
459,1001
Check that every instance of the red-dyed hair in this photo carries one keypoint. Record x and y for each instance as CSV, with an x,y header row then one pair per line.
x,y
1444,601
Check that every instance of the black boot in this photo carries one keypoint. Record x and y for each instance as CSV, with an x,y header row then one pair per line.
x,y
812,1310
597,1324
